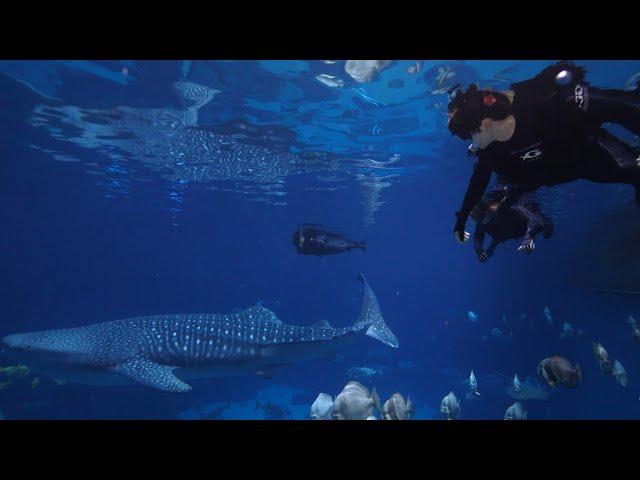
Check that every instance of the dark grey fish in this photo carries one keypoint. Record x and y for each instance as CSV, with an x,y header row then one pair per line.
x,y
317,240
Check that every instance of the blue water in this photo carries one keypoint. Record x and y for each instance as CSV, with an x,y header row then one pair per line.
x,y
122,198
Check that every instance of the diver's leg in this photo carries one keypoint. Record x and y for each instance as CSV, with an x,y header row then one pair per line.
x,y
610,160
614,106
492,248
547,226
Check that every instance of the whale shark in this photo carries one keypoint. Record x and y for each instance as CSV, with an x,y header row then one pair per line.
x,y
162,351
254,160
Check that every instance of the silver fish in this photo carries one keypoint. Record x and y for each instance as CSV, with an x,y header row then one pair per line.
x,y
515,412
450,406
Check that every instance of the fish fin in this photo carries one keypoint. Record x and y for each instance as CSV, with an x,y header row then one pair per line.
x,y
579,372
151,374
524,415
260,312
361,245
194,95
376,398
371,317
321,324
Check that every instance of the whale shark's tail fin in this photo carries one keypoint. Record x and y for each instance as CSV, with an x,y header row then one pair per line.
x,y
371,317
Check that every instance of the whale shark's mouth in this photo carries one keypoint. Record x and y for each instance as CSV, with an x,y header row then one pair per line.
x,y
18,341
23,346
12,341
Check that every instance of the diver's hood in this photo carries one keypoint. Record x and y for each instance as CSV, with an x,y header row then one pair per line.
x,y
490,204
468,109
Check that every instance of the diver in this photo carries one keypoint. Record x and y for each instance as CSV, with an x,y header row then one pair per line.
x,y
522,220
316,240
543,132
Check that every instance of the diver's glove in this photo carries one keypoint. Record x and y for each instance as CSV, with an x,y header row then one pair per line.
x,y
528,246
458,230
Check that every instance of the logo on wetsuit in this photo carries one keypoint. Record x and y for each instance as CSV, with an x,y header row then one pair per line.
x,y
580,96
531,155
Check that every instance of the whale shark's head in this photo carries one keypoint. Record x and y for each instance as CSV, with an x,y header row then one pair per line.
x,y
49,344
25,346
17,341
20,347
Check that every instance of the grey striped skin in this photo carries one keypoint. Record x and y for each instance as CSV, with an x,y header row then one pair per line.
x,y
147,350
197,339
194,95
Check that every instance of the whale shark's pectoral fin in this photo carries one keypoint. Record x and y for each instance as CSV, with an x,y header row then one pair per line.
x,y
151,374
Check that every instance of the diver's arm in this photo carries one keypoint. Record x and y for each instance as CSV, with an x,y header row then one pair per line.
x,y
534,226
547,226
492,247
512,196
534,223
533,229
477,186
528,245
478,242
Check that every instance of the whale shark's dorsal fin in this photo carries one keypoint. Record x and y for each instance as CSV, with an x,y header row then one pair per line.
x,y
151,374
194,95
371,316
322,324
258,312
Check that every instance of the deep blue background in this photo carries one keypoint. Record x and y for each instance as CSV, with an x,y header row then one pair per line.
x,y
72,252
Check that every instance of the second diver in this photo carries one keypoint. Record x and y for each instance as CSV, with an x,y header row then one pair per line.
x,y
521,221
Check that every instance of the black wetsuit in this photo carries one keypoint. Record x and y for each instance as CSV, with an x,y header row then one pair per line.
x,y
558,138
516,222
